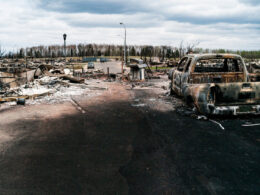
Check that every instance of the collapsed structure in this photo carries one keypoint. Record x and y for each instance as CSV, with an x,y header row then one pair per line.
x,y
20,80
137,69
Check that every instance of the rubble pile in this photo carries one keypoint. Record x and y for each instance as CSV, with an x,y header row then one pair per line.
x,y
59,90
50,90
47,84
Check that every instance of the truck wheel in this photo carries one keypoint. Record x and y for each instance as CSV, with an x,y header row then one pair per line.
x,y
191,104
171,90
212,96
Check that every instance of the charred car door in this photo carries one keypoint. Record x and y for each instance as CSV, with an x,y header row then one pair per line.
x,y
178,76
185,75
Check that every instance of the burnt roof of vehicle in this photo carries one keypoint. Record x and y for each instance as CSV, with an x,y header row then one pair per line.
x,y
214,55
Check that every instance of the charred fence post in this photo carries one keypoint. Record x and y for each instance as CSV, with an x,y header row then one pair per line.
x,y
108,75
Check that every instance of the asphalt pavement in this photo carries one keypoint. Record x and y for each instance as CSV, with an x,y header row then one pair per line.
x,y
128,141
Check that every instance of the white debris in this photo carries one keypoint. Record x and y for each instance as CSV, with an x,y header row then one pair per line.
x,y
202,117
217,124
67,71
138,105
251,125
38,90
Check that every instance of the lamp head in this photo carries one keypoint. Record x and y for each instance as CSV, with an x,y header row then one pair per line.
x,y
64,37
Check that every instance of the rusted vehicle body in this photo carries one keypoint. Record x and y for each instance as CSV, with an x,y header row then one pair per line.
x,y
254,71
216,84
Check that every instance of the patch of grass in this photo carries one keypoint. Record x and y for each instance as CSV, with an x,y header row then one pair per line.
x,y
76,65
160,68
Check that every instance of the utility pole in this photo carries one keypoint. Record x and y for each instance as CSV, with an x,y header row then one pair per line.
x,y
121,23
26,65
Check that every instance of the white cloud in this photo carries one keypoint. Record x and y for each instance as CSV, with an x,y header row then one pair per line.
x,y
230,24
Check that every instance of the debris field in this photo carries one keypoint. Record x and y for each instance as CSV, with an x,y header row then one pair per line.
x,y
69,129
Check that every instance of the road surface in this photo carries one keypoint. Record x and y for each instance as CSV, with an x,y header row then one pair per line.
x,y
129,140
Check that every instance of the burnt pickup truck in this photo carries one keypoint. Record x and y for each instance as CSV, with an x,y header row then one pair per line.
x,y
216,84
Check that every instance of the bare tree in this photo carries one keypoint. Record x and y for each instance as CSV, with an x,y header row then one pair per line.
x,y
181,49
191,46
2,52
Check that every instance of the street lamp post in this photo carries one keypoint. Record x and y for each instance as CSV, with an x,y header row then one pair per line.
x,y
65,53
121,23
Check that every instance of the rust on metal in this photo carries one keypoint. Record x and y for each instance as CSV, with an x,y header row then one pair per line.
x,y
217,84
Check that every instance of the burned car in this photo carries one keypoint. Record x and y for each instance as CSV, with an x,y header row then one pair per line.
x,y
254,71
216,84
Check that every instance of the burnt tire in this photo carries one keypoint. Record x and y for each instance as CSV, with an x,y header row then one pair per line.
x,y
189,101
171,90
191,105
212,96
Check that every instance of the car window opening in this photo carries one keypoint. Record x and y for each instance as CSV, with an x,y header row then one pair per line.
x,y
218,65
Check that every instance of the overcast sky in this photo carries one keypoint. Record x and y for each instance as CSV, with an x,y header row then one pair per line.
x,y
230,24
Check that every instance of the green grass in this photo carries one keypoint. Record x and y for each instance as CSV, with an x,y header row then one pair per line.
x,y
76,65
159,68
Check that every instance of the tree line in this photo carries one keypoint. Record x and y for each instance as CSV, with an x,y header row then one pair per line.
x,y
145,51
82,50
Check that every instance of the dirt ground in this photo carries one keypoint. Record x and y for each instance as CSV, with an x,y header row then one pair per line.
x,y
129,139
